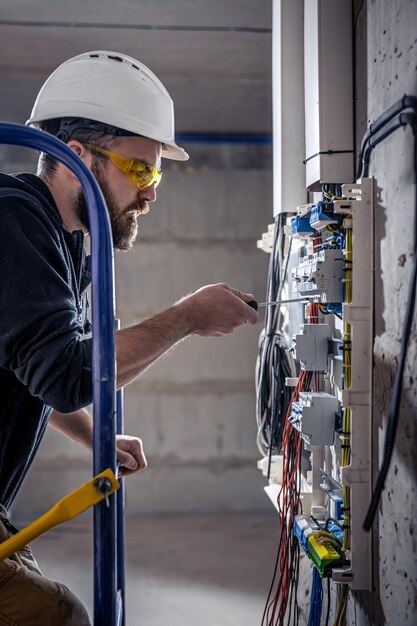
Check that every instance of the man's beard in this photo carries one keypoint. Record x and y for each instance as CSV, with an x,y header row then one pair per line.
x,y
124,223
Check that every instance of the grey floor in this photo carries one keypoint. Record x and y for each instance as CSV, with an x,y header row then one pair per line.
x,y
181,570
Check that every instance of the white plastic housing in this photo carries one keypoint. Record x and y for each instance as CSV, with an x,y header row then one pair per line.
x,y
311,346
328,91
314,416
320,274
359,314
288,104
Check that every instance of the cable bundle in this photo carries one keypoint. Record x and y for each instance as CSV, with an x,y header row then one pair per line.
x,y
316,599
289,505
340,619
273,365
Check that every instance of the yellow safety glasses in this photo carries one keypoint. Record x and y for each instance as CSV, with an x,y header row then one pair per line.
x,y
141,174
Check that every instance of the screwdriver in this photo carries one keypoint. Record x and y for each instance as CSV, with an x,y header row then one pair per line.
x,y
254,304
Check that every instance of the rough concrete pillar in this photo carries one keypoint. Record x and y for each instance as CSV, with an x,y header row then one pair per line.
x,y
386,53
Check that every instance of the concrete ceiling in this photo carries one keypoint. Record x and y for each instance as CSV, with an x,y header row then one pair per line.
x,y
214,56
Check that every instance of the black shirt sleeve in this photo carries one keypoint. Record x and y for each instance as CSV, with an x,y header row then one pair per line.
x,y
40,326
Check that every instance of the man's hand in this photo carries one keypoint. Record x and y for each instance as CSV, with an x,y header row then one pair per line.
x,y
212,311
78,426
216,310
130,455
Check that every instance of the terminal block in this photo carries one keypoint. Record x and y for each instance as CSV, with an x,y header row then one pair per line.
x,y
311,218
335,530
300,227
321,215
322,544
314,416
320,274
311,346
324,555
303,528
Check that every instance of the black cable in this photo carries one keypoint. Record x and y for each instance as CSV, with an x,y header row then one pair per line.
x,y
400,120
406,102
280,395
308,379
295,565
296,581
273,365
273,580
392,422
332,519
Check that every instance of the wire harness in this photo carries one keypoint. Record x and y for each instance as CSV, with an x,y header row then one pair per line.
x,y
273,364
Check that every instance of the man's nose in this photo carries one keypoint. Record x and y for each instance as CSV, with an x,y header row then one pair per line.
x,y
148,194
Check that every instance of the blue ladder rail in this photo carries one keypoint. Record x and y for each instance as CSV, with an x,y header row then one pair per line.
x,y
108,576
120,516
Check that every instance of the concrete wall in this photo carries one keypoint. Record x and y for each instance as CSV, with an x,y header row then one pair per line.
x,y
386,64
195,408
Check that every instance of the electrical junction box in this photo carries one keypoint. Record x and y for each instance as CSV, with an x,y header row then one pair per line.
x,y
314,416
321,215
320,274
311,346
328,88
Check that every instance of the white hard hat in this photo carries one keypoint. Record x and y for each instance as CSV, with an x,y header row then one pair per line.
x,y
113,89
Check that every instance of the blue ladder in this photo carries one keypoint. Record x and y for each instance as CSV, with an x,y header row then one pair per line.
x,y
109,576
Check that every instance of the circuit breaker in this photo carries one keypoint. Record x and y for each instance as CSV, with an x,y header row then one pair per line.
x,y
320,274
311,346
331,403
314,416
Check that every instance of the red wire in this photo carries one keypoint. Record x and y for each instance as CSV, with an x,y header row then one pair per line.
x,y
288,497
288,507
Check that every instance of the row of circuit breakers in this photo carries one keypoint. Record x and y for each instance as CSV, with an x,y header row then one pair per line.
x,y
321,276
336,273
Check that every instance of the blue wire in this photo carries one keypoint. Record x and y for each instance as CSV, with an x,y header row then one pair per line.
x,y
316,599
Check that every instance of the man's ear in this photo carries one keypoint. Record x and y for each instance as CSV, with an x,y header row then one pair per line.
x,y
82,152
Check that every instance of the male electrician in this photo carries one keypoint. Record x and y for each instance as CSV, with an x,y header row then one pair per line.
x,y
119,119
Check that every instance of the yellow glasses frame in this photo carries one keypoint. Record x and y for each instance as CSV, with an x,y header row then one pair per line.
x,y
141,174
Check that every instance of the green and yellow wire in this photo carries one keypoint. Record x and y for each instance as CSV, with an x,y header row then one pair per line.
x,y
348,266
340,618
330,196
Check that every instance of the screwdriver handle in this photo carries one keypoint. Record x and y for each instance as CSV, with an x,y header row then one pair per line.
x,y
253,304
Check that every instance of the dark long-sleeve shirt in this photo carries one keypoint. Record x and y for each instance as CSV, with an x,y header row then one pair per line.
x,y
44,360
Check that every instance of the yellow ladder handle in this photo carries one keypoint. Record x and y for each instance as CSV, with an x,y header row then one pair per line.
x,y
73,504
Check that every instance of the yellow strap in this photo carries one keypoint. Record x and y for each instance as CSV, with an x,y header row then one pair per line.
x,y
69,507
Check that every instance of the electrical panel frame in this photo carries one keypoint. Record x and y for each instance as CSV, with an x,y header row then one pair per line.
x,y
323,486
358,397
